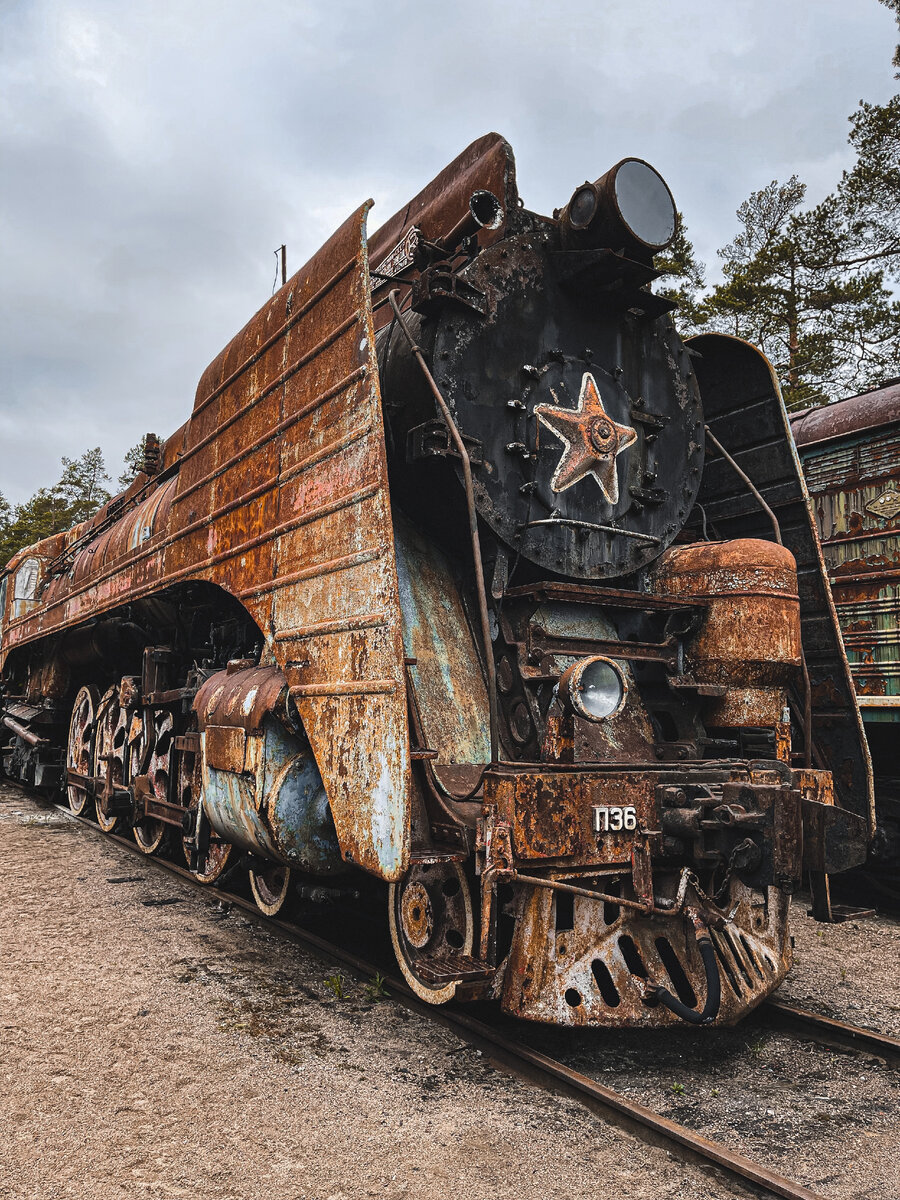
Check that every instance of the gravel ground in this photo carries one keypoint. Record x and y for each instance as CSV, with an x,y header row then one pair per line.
x,y
157,1050
161,1049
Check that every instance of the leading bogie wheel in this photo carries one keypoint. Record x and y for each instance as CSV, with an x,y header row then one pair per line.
x,y
270,887
218,856
80,746
430,915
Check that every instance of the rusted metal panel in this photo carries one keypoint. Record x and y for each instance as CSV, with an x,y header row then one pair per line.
x,y
743,407
595,970
298,527
241,698
450,690
487,164
225,747
848,417
551,814
262,790
315,561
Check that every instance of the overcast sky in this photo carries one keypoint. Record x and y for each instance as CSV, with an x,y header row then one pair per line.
x,y
153,154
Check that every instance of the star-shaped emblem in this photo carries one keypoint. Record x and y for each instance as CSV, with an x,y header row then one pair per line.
x,y
592,440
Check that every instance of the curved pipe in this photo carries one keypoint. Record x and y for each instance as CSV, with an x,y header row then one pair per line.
x,y
656,994
480,588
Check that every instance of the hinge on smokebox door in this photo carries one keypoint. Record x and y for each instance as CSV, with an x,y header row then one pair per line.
x,y
439,285
432,439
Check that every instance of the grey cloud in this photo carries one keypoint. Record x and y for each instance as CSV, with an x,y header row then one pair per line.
x,y
154,154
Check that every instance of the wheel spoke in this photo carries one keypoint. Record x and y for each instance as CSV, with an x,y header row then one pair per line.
x,y
157,735
109,750
189,792
79,749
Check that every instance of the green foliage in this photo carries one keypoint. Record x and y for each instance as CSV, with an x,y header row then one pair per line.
x,y
134,459
336,984
870,191
792,286
681,277
677,1089
894,6
756,1048
81,484
75,497
375,989
807,285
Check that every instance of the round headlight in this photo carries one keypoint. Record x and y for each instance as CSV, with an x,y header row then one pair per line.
x,y
645,203
594,688
582,208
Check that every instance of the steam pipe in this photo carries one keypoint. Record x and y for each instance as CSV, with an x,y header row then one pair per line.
x,y
26,735
720,449
654,993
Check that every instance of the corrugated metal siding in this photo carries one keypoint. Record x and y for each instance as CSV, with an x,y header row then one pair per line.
x,y
862,552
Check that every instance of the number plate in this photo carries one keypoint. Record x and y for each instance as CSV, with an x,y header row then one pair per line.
x,y
614,818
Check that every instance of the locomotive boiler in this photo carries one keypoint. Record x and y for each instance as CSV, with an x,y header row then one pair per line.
x,y
466,572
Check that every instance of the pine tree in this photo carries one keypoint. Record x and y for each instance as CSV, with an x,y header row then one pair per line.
x,y
81,484
870,192
894,6
794,287
76,497
45,513
808,285
682,277
134,461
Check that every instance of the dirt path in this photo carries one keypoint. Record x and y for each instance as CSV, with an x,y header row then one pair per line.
x,y
169,1049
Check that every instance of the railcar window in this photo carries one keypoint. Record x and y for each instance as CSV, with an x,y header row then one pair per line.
x,y
27,579
2,600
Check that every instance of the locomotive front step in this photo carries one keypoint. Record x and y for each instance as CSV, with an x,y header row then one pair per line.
x,y
439,969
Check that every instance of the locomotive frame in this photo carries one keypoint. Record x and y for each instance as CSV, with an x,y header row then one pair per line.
x,y
324,629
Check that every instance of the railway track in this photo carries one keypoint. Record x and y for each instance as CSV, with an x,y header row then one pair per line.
x,y
778,1014
549,1072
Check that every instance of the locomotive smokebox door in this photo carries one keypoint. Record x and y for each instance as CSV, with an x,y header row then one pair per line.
x,y
575,398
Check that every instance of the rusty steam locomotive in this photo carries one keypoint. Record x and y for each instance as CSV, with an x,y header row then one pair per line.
x,y
467,573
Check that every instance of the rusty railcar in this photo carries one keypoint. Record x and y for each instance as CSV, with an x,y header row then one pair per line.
x,y
467,573
851,458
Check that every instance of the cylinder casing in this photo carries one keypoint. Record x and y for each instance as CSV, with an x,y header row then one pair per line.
x,y
262,790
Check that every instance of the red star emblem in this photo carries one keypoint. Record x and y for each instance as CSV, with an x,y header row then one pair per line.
x,y
592,440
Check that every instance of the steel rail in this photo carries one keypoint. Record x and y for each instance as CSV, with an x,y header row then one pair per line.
x,y
781,1014
540,1068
